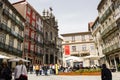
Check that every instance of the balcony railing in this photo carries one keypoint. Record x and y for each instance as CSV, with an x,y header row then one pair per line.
x,y
110,29
112,48
12,17
40,32
13,33
5,27
39,54
10,49
29,38
106,14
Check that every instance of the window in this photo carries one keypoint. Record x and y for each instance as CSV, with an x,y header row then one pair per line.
x,y
73,38
83,47
11,41
29,10
46,36
2,37
19,46
73,48
32,34
33,15
6,8
92,47
20,32
51,36
90,37
5,21
28,19
83,37
13,14
32,47
33,23
27,31
26,45
13,27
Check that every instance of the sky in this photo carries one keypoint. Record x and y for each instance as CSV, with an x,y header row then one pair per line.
x,y
72,15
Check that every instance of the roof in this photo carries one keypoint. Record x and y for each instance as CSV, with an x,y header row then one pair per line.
x,y
15,10
101,3
77,33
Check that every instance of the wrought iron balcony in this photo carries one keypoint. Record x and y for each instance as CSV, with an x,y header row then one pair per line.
x,y
112,48
26,50
110,29
105,15
10,49
13,33
32,52
5,27
2,45
40,32
11,16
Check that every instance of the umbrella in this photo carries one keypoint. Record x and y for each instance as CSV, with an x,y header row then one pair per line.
x,y
93,57
4,57
74,58
18,59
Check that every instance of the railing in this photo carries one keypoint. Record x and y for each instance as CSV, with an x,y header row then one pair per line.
x,y
106,14
111,48
11,16
38,43
10,49
110,29
40,32
13,33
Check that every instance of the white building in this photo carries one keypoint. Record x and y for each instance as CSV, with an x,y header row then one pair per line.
x,y
80,45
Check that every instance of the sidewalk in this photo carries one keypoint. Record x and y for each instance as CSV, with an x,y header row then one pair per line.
x,y
116,75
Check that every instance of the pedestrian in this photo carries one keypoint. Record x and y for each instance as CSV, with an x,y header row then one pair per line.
x,y
5,71
37,68
31,68
106,73
20,69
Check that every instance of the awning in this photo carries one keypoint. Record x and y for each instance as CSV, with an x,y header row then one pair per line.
x,y
4,57
18,59
74,58
93,57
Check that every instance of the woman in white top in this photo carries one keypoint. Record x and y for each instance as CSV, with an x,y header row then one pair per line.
x,y
20,69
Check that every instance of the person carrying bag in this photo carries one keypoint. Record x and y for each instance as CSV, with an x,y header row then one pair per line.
x,y
20,72
22,76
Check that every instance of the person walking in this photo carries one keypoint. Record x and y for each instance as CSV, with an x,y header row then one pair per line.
x,y
37,68
20,69
5,72
106,73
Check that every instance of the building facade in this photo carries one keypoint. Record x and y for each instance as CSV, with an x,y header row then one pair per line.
x,y
60,52
50,30
96,33
80,45
11,30
33,33
107,32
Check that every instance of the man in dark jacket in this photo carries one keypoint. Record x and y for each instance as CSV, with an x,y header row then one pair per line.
x,y
5,72
106,73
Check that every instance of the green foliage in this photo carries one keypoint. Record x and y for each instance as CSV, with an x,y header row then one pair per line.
x,y
118,67
89,70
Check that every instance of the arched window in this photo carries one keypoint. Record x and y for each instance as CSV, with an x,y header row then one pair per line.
x,y
46,36
2,37
51,36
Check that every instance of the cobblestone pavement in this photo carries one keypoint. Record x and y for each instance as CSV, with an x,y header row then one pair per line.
x,y
57,77
116,76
